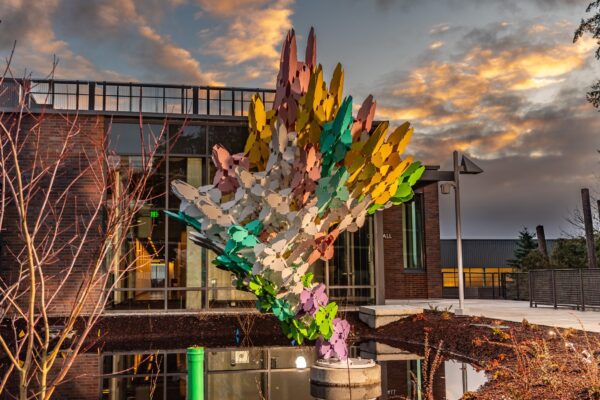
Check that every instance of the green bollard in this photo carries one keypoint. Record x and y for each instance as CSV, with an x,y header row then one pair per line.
x,y
195,364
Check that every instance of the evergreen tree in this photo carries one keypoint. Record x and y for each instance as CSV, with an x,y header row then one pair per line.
x,y
525,245
536,260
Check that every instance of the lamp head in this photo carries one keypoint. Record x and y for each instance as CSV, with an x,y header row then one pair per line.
x,y
467,166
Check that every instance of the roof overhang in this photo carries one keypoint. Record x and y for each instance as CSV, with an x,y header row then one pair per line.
x,y
433,174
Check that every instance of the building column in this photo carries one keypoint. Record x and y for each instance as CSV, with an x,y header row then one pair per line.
x,y
379,265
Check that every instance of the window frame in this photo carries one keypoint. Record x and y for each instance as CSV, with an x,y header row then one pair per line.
x,y
408,238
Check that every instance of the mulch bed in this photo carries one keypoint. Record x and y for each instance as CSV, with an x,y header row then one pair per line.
x,y
171,332
548,364
168,332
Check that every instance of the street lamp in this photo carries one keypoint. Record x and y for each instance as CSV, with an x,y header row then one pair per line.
x,y
466,167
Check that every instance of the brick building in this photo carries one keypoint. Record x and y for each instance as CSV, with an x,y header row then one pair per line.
x,y
395,255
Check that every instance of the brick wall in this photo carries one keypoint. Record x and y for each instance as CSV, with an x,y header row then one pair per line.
x,y
82,195
83,379
406,284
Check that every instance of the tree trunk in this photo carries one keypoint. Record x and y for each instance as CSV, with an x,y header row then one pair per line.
x,y
589,228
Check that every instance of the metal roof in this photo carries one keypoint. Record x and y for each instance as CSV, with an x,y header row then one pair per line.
x,y
479,253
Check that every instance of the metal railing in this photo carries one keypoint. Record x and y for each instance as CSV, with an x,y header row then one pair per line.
x,y
515,285
131,97
576,288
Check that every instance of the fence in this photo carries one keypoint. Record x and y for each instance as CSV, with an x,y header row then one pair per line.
x,y
131,97
577,288
515,285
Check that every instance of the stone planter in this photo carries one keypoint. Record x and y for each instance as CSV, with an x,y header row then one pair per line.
x,y
355,378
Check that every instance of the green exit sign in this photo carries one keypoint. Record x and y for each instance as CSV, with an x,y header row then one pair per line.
x,y
153,213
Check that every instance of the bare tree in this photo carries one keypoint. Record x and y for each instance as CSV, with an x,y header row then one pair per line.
x,y
66,205
591,26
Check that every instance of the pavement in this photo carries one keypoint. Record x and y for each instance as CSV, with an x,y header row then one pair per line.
x,y
509,310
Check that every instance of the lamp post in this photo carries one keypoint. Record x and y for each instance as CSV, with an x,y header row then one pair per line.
x,y
466,166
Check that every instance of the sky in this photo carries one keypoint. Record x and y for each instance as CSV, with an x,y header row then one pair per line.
x,y
499,80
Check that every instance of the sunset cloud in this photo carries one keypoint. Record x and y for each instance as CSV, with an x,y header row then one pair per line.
x,y
537,28
154,55
439,29
254,33
436,45
30,26
512,97
229,8
478,101
186,69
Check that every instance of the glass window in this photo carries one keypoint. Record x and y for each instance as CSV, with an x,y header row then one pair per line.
x,y
244,358
242,385
221,291
233,138
166,269
413,234
127,138
189,139
290,384
177,362
287,358
133,388
142,268
143,262
134,376
187,264
187,169
176,387
245,372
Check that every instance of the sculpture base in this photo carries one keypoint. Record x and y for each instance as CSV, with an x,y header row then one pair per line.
x,y
355,378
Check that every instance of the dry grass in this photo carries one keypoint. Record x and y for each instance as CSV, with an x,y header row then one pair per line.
x,y
551,364
429,368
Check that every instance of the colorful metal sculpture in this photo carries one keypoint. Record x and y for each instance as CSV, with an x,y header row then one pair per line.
x,y
310,171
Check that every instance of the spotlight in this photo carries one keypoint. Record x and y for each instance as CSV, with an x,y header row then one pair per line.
x,y
300,362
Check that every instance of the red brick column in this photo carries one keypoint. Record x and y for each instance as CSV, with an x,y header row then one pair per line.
x,y
407,284
83,195
432,241
83,379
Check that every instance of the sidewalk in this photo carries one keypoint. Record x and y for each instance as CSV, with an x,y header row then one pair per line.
x,y
510,310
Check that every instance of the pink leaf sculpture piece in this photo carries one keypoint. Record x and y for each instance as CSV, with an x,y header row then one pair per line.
x,y
225,179
336,345
312,299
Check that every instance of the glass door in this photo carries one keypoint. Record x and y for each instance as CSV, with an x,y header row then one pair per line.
x,y
351,271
